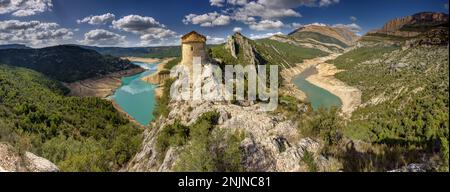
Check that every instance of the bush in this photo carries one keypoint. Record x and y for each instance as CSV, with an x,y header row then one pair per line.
x,y
325,124
308,159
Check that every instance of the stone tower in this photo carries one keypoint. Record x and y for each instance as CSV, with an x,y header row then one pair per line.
x,y
193,45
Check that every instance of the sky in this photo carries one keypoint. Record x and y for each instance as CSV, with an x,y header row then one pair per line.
x,y
135,23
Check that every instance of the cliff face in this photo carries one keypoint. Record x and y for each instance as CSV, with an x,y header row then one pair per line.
x,y
241,48
12,161
408,26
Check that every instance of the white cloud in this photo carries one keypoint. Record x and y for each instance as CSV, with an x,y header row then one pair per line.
x,y
217,3
151,31
324,3
353,19
351,27
264,35
33,33
237,30
317,24
446,6
237,2
296,25
22,8
136,24
98,19
267,25
207,19
102,37
256,9
215,40
257,14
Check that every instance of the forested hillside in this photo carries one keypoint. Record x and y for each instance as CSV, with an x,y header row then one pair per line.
x,y
77,134
64,63
404,88
150,52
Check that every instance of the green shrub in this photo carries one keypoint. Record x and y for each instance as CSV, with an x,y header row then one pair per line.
x,y
308,159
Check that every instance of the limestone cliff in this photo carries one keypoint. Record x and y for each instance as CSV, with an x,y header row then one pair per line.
x,y
12,161
242,49
413,25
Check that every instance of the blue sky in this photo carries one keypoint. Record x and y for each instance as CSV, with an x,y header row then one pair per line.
x,y
40,23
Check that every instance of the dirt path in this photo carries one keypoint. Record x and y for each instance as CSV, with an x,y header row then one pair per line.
x,y
350,96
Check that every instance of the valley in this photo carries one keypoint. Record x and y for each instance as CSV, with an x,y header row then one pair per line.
x,y
355,103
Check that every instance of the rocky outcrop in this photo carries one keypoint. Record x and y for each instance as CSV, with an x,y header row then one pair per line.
x,y
414,167
238,45
434,37
404,27
12,161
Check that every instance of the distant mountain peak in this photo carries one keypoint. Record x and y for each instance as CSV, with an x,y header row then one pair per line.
x,y
343,36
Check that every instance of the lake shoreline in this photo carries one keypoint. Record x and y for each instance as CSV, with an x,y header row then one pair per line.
x,y
350,96
101,87
324,78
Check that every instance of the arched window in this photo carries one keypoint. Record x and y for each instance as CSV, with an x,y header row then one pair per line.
x,y
192,49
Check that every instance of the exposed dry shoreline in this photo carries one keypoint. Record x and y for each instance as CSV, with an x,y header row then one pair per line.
x,y
324,78
289,87
101,87
142,59
154,78
350,96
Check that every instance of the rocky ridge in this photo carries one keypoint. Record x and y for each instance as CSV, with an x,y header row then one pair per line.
x,y
404,26
241,48
12,161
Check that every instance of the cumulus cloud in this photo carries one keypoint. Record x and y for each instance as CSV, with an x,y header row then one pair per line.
x,y
353,19
264,35
296,25
217,3
266,25
34,33
353,27
237,30
317,24
102,37
257,14
22,8
324,3
98,19
207,19
215,40
136,24
237,2
258,9
150,31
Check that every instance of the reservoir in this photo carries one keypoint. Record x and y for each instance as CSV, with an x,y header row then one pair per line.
x,y
317,96
137,97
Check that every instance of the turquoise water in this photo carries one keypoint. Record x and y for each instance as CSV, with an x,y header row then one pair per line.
x,y
317,96
136,97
